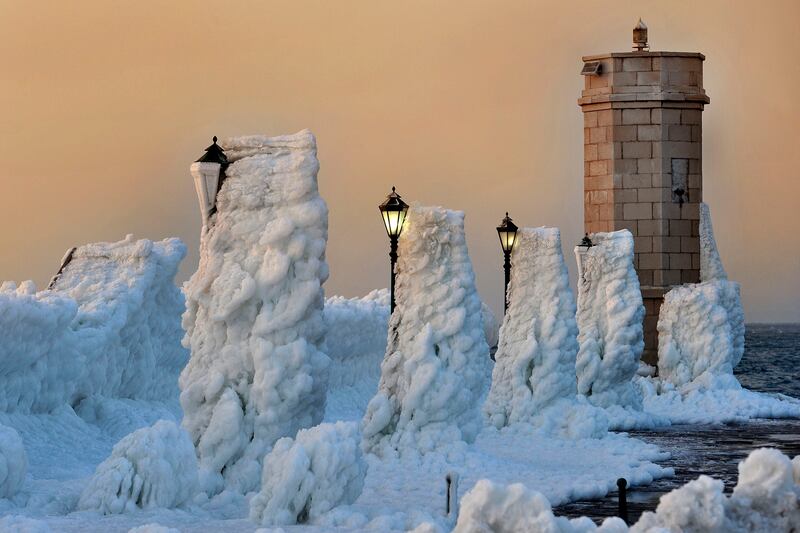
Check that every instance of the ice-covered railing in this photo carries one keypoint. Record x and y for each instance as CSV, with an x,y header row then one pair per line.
x,y
355,339
253,315
109,326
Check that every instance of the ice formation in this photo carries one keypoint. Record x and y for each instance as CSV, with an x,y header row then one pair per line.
x,y
490,507
766,498
23,524
436,367
306,477
490,326
700,333
109,327
610,315
13,462
253,315
711,268
355,338
153,527
535,360
701,326
150,468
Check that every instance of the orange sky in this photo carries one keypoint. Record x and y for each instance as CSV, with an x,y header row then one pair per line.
x,y
466,103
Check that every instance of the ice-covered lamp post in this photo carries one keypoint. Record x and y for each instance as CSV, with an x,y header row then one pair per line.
x,y
208,173
507,231
393,211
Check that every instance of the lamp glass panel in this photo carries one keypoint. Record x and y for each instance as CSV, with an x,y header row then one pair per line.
x,y
211,176
206,181
393,220
506,239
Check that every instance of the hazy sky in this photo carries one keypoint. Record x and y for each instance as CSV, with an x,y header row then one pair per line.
x,y
466,104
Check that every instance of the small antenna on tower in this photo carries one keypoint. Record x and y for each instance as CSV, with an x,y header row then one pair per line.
x,y
640,37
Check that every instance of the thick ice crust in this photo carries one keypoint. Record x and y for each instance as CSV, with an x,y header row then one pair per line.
x,y
610,315
700,333
253,319
436,368
13,462
356,342
109,327
535,359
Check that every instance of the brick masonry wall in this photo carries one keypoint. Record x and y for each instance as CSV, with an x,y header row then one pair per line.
x,y
642,142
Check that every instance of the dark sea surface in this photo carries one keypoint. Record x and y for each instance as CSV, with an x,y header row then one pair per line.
x,y
771,363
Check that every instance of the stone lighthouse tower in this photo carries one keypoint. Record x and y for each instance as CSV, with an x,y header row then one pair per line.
x,y
642,117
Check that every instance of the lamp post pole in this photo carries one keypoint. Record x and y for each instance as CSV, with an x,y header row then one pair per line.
x,y
507,269
393,210
393,261
507,231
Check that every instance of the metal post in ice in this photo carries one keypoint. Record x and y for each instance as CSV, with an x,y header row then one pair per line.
x,y
622,510
451,504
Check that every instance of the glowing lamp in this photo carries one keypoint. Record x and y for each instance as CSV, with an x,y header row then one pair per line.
x,y
507,231
393,211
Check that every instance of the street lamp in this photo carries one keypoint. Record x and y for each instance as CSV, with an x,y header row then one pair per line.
x,y
209,173
507,231
393,211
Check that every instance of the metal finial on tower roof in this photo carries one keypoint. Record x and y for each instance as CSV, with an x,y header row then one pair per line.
x,y
215,137
640,37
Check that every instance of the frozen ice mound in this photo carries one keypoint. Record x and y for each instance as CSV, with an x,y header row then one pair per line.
x,y
154,467
535,360
610,316
700,333
701,325
496,508
13,462
110,326
305,477
253,319
436,370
